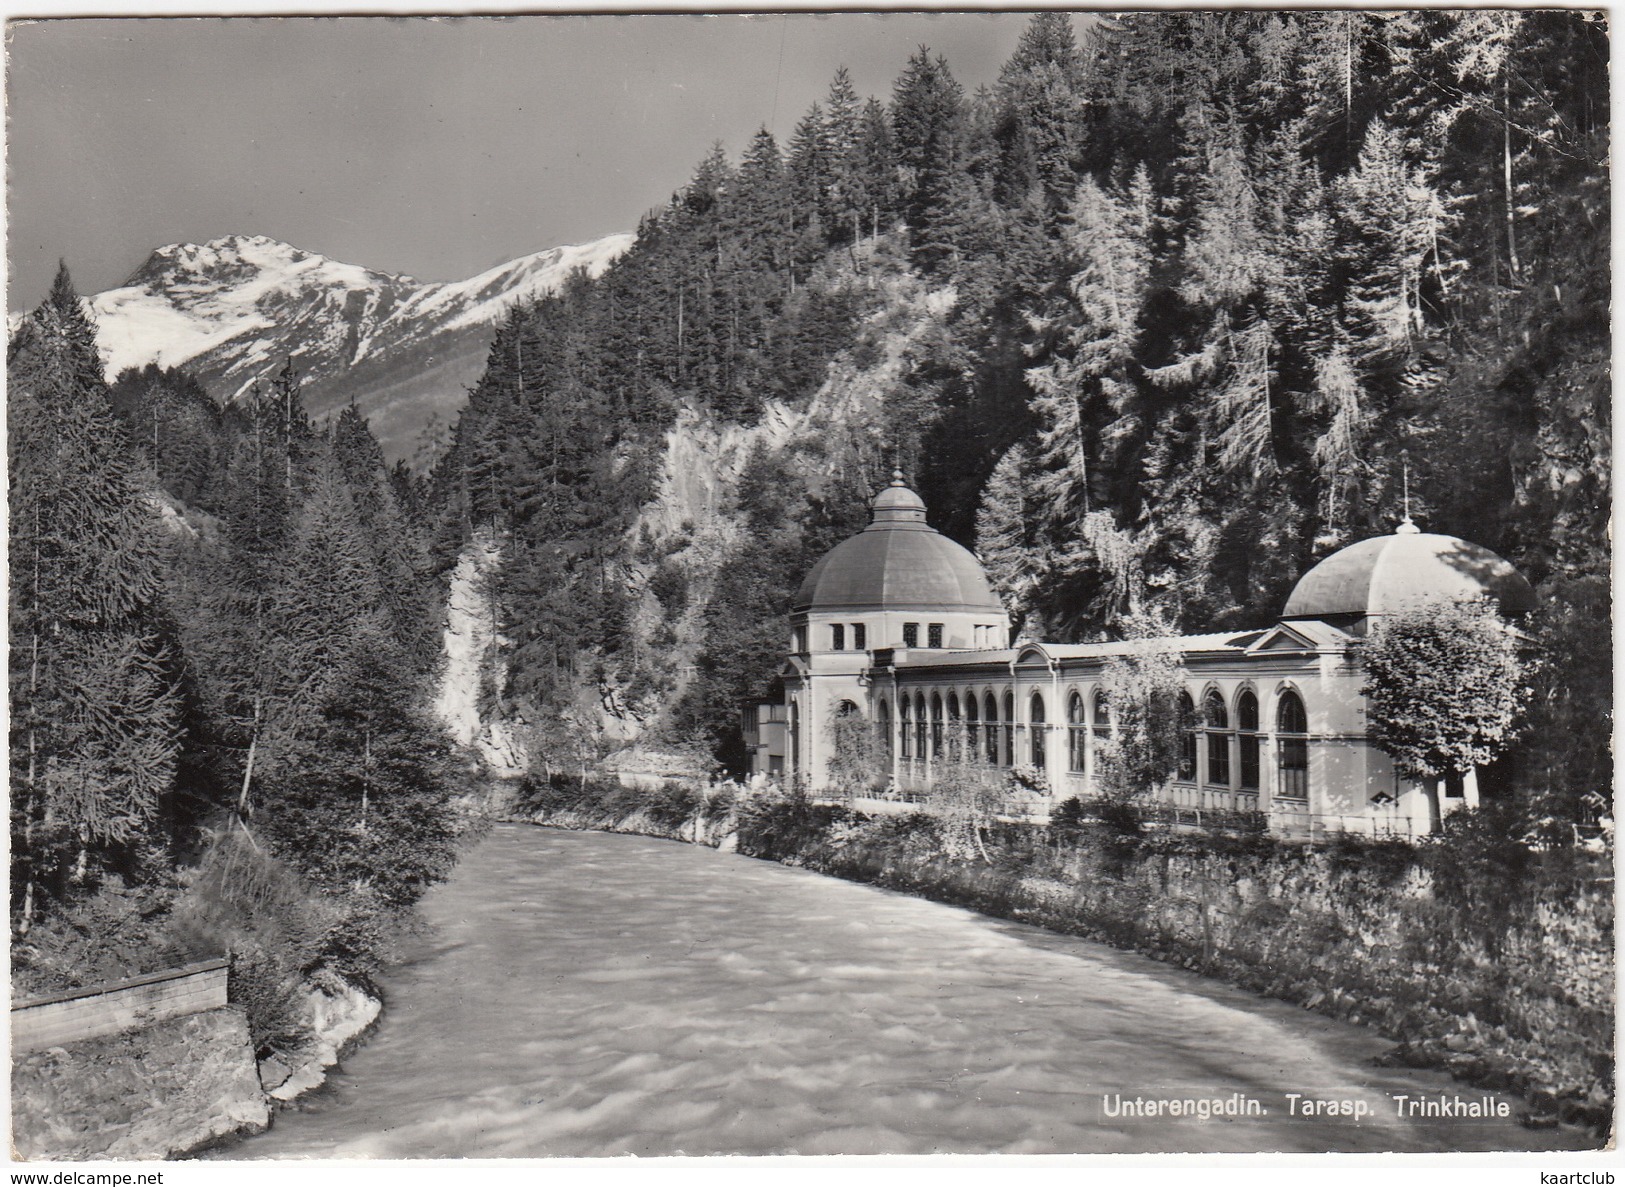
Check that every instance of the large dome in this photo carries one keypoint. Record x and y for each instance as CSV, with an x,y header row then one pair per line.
x,y
898,562
1403,571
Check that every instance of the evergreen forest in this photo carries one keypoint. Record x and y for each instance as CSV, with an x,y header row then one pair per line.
x,y
1163,318
224,631
1170,313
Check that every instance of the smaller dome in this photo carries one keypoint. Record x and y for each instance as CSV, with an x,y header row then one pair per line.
x,y
897,503
1404,571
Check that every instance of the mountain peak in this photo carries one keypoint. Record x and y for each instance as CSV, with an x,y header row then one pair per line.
x,y
232,308
229,259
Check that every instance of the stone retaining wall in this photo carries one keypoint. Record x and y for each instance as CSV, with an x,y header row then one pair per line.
x,y
80,1014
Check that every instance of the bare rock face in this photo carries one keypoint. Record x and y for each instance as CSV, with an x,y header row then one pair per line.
x,y
472,644
160,1092
339,1015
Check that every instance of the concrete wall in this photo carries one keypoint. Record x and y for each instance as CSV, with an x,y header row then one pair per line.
x,y
61,1018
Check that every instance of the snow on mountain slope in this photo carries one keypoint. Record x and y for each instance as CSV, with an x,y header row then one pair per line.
x,y
231,310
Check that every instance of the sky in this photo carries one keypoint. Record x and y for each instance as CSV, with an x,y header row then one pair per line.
x,y
434,147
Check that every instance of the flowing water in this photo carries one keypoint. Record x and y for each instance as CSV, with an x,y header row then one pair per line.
x,y
591,994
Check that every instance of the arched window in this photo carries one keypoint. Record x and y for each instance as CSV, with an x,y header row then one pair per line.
x,y
1187,738
1103,720
1009,729
920,735
956,736
991,713
1217,721
793,756
883,728
1077,734
1247,722
973,740
936,725
1039,730
1292,747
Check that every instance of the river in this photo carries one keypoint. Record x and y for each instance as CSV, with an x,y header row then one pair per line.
x,y
591,994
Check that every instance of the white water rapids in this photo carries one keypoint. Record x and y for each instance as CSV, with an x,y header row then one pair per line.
x,y
590,994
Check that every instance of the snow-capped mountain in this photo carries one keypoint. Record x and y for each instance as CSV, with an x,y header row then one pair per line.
x,y
234,308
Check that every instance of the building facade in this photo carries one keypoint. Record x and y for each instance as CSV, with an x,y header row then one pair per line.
x,y
897,636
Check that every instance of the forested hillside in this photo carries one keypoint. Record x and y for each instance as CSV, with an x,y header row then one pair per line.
x,y
223,636
1153,324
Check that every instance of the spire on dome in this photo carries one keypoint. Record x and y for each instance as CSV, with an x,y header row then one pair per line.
x,y
1406,527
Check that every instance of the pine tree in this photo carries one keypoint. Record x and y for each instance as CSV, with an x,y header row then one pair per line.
x,y
926,114
356,794
846,203
1041,113
876,169
94,713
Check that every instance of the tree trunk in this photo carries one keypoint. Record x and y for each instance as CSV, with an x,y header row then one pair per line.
x,y
248,767
366,770
1513,266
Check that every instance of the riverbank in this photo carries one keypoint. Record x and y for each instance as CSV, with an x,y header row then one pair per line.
x,y
1472,954
174,1088
581,994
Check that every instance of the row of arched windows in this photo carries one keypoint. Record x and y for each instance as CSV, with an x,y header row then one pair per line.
x,y
950,726
980,726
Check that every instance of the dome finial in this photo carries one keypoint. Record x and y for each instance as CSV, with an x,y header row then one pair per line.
x,y
897,478
1406,527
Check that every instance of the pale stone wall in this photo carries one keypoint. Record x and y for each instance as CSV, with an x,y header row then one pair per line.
x,y
122,1005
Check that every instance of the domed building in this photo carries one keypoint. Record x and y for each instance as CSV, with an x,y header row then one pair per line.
x,y
898,637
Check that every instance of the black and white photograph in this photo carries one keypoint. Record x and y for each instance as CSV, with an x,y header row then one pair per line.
x,y
809,583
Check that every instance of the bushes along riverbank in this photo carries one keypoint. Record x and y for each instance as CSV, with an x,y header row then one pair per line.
x,y
1471,951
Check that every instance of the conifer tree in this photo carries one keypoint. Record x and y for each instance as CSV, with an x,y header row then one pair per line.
x,y
926,116
94,713
1041,113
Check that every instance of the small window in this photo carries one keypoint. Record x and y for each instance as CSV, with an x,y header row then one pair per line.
x,y
1009,729
860,637
801,639
1187,738
911,634
992,716
1218,739
1038,732
1247,719
934,635
1292,744
837,637
1076,738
